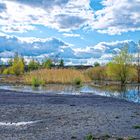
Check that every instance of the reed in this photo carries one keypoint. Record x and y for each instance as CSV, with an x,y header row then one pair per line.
x,y
63,76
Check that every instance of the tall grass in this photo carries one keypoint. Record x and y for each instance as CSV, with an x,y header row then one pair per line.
x,y
63,76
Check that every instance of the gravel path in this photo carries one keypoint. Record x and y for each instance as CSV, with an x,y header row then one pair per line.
x,y
27,116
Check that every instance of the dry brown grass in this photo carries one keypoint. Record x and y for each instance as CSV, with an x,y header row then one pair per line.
x,y
11,79
63,76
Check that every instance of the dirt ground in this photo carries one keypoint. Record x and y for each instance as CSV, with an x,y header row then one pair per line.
x,y
27,116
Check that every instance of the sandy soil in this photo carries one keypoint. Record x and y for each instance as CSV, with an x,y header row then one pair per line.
x,y
27,116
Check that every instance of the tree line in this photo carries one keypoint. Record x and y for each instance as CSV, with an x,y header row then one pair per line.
x,y
18,66
122,68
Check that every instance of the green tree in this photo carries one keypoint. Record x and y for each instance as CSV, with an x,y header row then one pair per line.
x,y
17,66
120,68
61,63
138,63
33,65
47,63
10,62
2,66
96,64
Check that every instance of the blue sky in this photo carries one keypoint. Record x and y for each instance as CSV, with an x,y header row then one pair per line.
x,y
78,31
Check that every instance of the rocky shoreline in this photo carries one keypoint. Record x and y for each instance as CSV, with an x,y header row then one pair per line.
x,y
27,116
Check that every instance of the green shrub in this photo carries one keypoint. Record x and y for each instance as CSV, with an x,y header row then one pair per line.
x,y
77,81
17,68
6,71
2,69
90,137
61,63
42,82
47,63
35,82
33,65
131,138
120,139
136,127
97,73
96,64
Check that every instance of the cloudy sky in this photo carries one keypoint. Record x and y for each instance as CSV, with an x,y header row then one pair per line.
x,y
79,31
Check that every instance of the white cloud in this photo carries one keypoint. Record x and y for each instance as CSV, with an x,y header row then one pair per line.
x,y
71,35
105,50
35,47
63,15
117,16
6,54
55,48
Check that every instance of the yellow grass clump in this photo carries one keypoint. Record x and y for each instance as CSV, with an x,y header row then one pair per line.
x,y
63,76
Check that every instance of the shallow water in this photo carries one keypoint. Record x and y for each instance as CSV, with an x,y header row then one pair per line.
x,y
129,92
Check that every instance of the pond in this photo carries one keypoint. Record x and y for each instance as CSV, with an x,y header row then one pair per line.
x,y
129,92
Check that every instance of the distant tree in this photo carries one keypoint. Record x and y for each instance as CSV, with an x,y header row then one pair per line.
x,y
16,66
10,62
96,64
61,63
2,68
16,57
33,65
120,68
47,63
138,63
23,60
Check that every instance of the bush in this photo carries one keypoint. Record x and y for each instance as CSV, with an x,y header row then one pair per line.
x,y
77,81
96,64
42,82
61,63
97,73
47,63
36,82
6,71
2,69
33,65
16,67
90,137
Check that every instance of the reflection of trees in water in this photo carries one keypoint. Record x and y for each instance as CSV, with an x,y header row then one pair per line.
x,y
59,87
131,93
128,92
56,88
123,90
138,89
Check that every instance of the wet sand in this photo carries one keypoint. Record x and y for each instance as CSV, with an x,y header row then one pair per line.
x,y
27,116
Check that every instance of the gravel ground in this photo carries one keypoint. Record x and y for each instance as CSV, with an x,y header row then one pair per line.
x,y
27,116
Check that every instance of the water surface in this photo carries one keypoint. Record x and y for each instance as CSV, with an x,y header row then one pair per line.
x,y
129,92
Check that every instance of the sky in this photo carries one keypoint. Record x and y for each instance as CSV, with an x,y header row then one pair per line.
x,y
78,31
